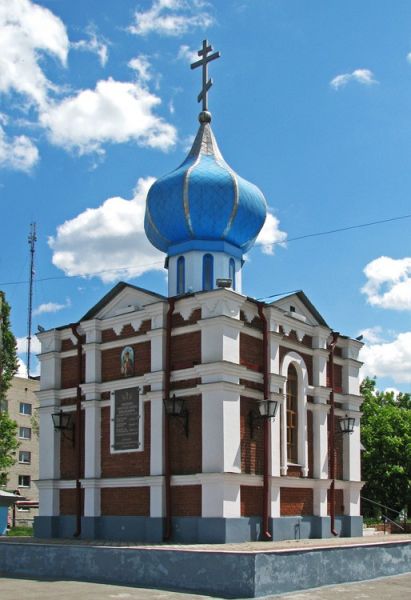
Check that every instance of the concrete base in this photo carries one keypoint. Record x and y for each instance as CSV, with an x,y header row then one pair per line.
x,y
195,530
227,574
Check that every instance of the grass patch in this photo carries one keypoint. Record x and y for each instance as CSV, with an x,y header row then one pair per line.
x,y
20,531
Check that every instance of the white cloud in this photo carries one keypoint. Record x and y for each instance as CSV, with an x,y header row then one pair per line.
x,y
372,335
35,346
51,307
187,54
362,76
270,234
389,359
110,237
141,65
172,17
18,153
114,112
27,31
94,43
388,283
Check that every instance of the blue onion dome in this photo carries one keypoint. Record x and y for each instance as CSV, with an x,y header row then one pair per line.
x,y
203,204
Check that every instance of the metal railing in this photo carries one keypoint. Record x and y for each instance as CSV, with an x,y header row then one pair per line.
x,y
385,517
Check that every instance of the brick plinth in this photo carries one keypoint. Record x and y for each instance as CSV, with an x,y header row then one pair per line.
x,y
125,501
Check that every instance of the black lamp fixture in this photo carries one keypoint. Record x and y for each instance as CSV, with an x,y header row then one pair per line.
x,y
175,407
346,424
266,409
63,422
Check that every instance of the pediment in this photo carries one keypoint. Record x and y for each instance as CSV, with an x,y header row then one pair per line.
x,y
299,307
123,298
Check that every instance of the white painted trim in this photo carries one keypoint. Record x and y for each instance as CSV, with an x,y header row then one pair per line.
x,y
298,362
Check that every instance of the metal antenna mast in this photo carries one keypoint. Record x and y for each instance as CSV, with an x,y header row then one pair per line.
x,y
32,242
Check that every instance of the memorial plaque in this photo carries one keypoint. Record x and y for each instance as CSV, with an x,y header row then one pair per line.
x,y
127,419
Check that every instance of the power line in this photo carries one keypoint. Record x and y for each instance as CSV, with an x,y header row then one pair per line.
x,y
157,262
330,231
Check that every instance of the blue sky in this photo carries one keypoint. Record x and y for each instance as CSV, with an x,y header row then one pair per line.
x,y
311,101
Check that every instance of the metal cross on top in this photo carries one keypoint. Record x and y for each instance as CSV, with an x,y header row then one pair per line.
x,y
203,62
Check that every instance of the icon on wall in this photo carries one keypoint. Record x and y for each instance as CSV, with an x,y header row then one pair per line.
x,y
127,361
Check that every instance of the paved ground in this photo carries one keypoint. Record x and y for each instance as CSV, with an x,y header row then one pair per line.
x,y
242,547
388,588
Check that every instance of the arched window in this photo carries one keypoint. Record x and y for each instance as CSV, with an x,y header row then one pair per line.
x,y
231,272
208,268
181,276
292,415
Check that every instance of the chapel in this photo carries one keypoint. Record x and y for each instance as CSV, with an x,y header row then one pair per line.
x,y
203,416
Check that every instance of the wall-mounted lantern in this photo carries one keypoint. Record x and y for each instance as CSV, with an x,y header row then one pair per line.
x,y
175,407
346,424
63,422
266,409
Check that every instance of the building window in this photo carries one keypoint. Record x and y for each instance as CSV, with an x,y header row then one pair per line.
x,y
231,272
208,268
24,481
23,509
24,457
25,433
181,284
292,415
25,408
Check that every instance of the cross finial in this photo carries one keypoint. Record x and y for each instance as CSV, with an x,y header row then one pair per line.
x,y
203,62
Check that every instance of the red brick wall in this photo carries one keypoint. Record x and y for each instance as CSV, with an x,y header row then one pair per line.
x,y
111,361
253,385
337,377
256,323
251,352
294,471
126,501
186,453
186,501
68,452
108,335
338,445
251,449
187,383
251,500
68,502
296,501
178,321
124,464
69,371
185,350
339,502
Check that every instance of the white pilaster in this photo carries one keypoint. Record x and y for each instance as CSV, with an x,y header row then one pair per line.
x,y
352,504
275,506
49,463
320,441
92,457
220,428
352,452
320,498
221,498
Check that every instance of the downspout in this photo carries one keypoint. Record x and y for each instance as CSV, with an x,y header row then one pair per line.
x,y
167,377
78,433
266,427
331,348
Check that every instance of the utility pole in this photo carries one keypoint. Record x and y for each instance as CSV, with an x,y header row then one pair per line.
x,y
32,243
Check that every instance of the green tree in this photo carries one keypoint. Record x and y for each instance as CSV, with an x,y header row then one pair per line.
x,y
8,368
386,459
8,445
